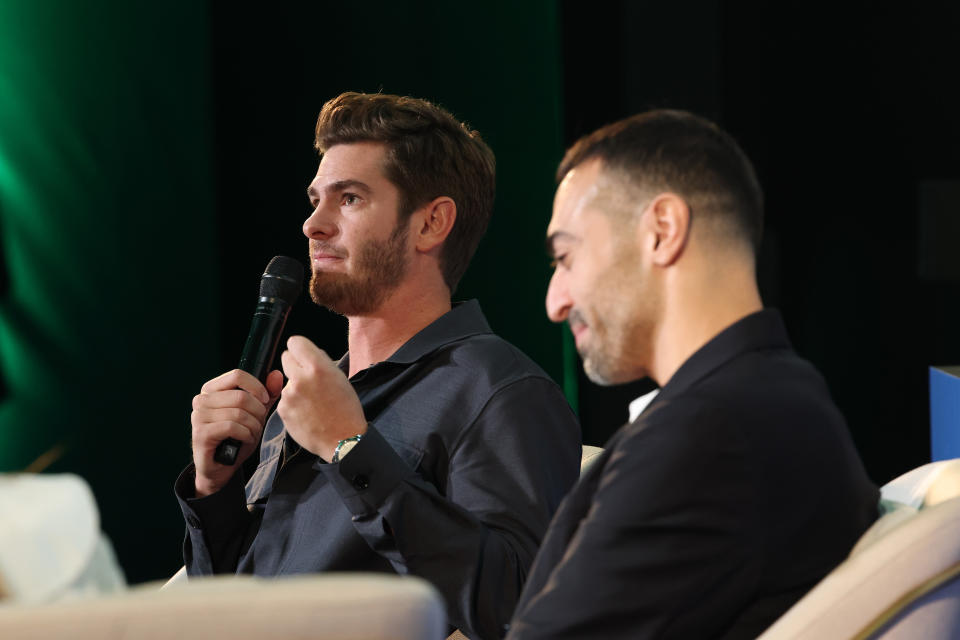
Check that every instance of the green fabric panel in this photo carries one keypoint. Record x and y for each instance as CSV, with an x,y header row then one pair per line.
x,y
106,211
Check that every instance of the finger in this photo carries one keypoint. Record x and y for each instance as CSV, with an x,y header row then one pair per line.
x,y
234,398
296,368
290,366
274,384
221,431
300,344
237,379
204,417
305,351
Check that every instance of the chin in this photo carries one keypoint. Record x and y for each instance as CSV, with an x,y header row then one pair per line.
x,y
608,377
601,378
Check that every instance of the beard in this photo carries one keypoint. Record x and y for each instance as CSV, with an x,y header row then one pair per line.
x,y
620,318
611,354
379,267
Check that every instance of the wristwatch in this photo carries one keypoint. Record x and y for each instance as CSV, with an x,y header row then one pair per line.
x,y
344,447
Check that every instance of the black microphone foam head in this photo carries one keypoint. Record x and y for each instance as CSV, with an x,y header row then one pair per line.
x,y
283,279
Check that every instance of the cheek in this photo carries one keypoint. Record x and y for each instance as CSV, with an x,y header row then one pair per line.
x,y
585,285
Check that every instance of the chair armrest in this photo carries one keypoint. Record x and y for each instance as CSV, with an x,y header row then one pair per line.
x,y
345,605
176,580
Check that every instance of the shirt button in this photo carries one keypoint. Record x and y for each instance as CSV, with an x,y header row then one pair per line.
x,y
193,521
361,481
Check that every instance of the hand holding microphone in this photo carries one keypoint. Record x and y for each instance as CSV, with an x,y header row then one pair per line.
x,y
229,413
234,407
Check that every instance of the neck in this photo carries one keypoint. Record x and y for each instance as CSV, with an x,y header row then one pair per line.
x,y
700,305
407,310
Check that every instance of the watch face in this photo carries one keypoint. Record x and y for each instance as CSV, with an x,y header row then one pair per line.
x,y
344,447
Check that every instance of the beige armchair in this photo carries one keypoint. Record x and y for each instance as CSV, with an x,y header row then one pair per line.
x,y
59,579
902,579
332,606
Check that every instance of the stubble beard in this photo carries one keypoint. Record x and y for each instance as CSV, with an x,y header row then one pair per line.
x,y
610,360
621,329
380,267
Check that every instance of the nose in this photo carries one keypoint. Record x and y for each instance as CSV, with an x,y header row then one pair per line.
x,y
558,297
320,224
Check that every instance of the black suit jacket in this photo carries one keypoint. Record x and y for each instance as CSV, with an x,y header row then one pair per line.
x,y
728,498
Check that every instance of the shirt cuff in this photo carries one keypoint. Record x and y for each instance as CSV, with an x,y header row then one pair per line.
x,y
217,516
367,477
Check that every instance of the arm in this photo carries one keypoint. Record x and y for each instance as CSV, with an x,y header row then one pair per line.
x,y
501,482
475,542
216,525
669,544
211,495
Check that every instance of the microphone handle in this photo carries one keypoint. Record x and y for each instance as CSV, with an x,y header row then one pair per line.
x,y
269,318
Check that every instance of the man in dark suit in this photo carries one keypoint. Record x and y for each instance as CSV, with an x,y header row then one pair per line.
x,y
738,487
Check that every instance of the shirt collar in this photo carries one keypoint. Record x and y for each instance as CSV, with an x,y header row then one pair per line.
x,y
636,407
465,319
760,330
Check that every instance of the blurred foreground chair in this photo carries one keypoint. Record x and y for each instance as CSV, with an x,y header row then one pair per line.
x,y
331,606
902,579
51,545
59,579
589,456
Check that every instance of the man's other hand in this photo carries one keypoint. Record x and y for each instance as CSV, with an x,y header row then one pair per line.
x,y
319,406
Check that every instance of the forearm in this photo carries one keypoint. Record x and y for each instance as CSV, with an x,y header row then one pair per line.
x,y
475,544
216,525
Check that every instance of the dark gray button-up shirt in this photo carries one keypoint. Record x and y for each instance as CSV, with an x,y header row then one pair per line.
x,y
469,451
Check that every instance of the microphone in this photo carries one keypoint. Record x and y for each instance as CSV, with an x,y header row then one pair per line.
x,y
279,288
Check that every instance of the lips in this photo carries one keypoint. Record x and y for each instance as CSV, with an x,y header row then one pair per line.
x,y
325,255
577,325
579,330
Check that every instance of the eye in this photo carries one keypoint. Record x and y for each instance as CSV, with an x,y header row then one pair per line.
x,y
559,260
349,199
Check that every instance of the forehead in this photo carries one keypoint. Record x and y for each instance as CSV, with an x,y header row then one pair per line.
x,y
362,161
585,192
573,194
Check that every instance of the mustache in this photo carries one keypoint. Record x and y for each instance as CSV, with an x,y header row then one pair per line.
x,y
326,249
575,318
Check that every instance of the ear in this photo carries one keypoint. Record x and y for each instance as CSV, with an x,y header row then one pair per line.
x,y
665,228
433,222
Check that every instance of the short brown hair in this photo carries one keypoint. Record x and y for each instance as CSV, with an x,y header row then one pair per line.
x,y
429,154
679,151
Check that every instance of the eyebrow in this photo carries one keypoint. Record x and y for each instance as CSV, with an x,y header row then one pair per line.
x,y
339,185
552,239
